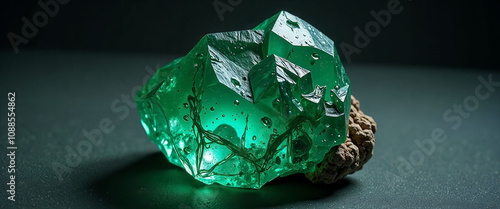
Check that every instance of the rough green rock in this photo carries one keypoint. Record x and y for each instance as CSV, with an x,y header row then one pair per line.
x,y
244,107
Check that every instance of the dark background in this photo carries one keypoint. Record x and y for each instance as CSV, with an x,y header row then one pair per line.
x,y
92,53
444,33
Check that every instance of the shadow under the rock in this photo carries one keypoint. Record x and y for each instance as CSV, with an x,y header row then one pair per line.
x,y
153,182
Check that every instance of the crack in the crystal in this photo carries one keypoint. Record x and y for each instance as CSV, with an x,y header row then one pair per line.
x,y
260,164
183,159
207,173
272,147
243,137
204,134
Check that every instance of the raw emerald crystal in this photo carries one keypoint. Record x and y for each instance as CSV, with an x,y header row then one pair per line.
x,y
244,107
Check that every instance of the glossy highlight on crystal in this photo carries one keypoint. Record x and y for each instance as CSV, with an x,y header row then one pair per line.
x,y
245,107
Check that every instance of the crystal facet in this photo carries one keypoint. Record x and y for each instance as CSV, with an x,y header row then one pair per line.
x,y
244,107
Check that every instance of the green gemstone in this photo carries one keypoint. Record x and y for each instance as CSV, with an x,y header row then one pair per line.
x,y
244,107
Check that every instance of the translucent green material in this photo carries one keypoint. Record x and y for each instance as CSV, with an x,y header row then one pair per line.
x,y
244,107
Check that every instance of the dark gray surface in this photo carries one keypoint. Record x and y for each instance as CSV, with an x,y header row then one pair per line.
x,y
60,94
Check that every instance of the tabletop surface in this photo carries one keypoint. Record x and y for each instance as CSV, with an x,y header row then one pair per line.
x,y
436,144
